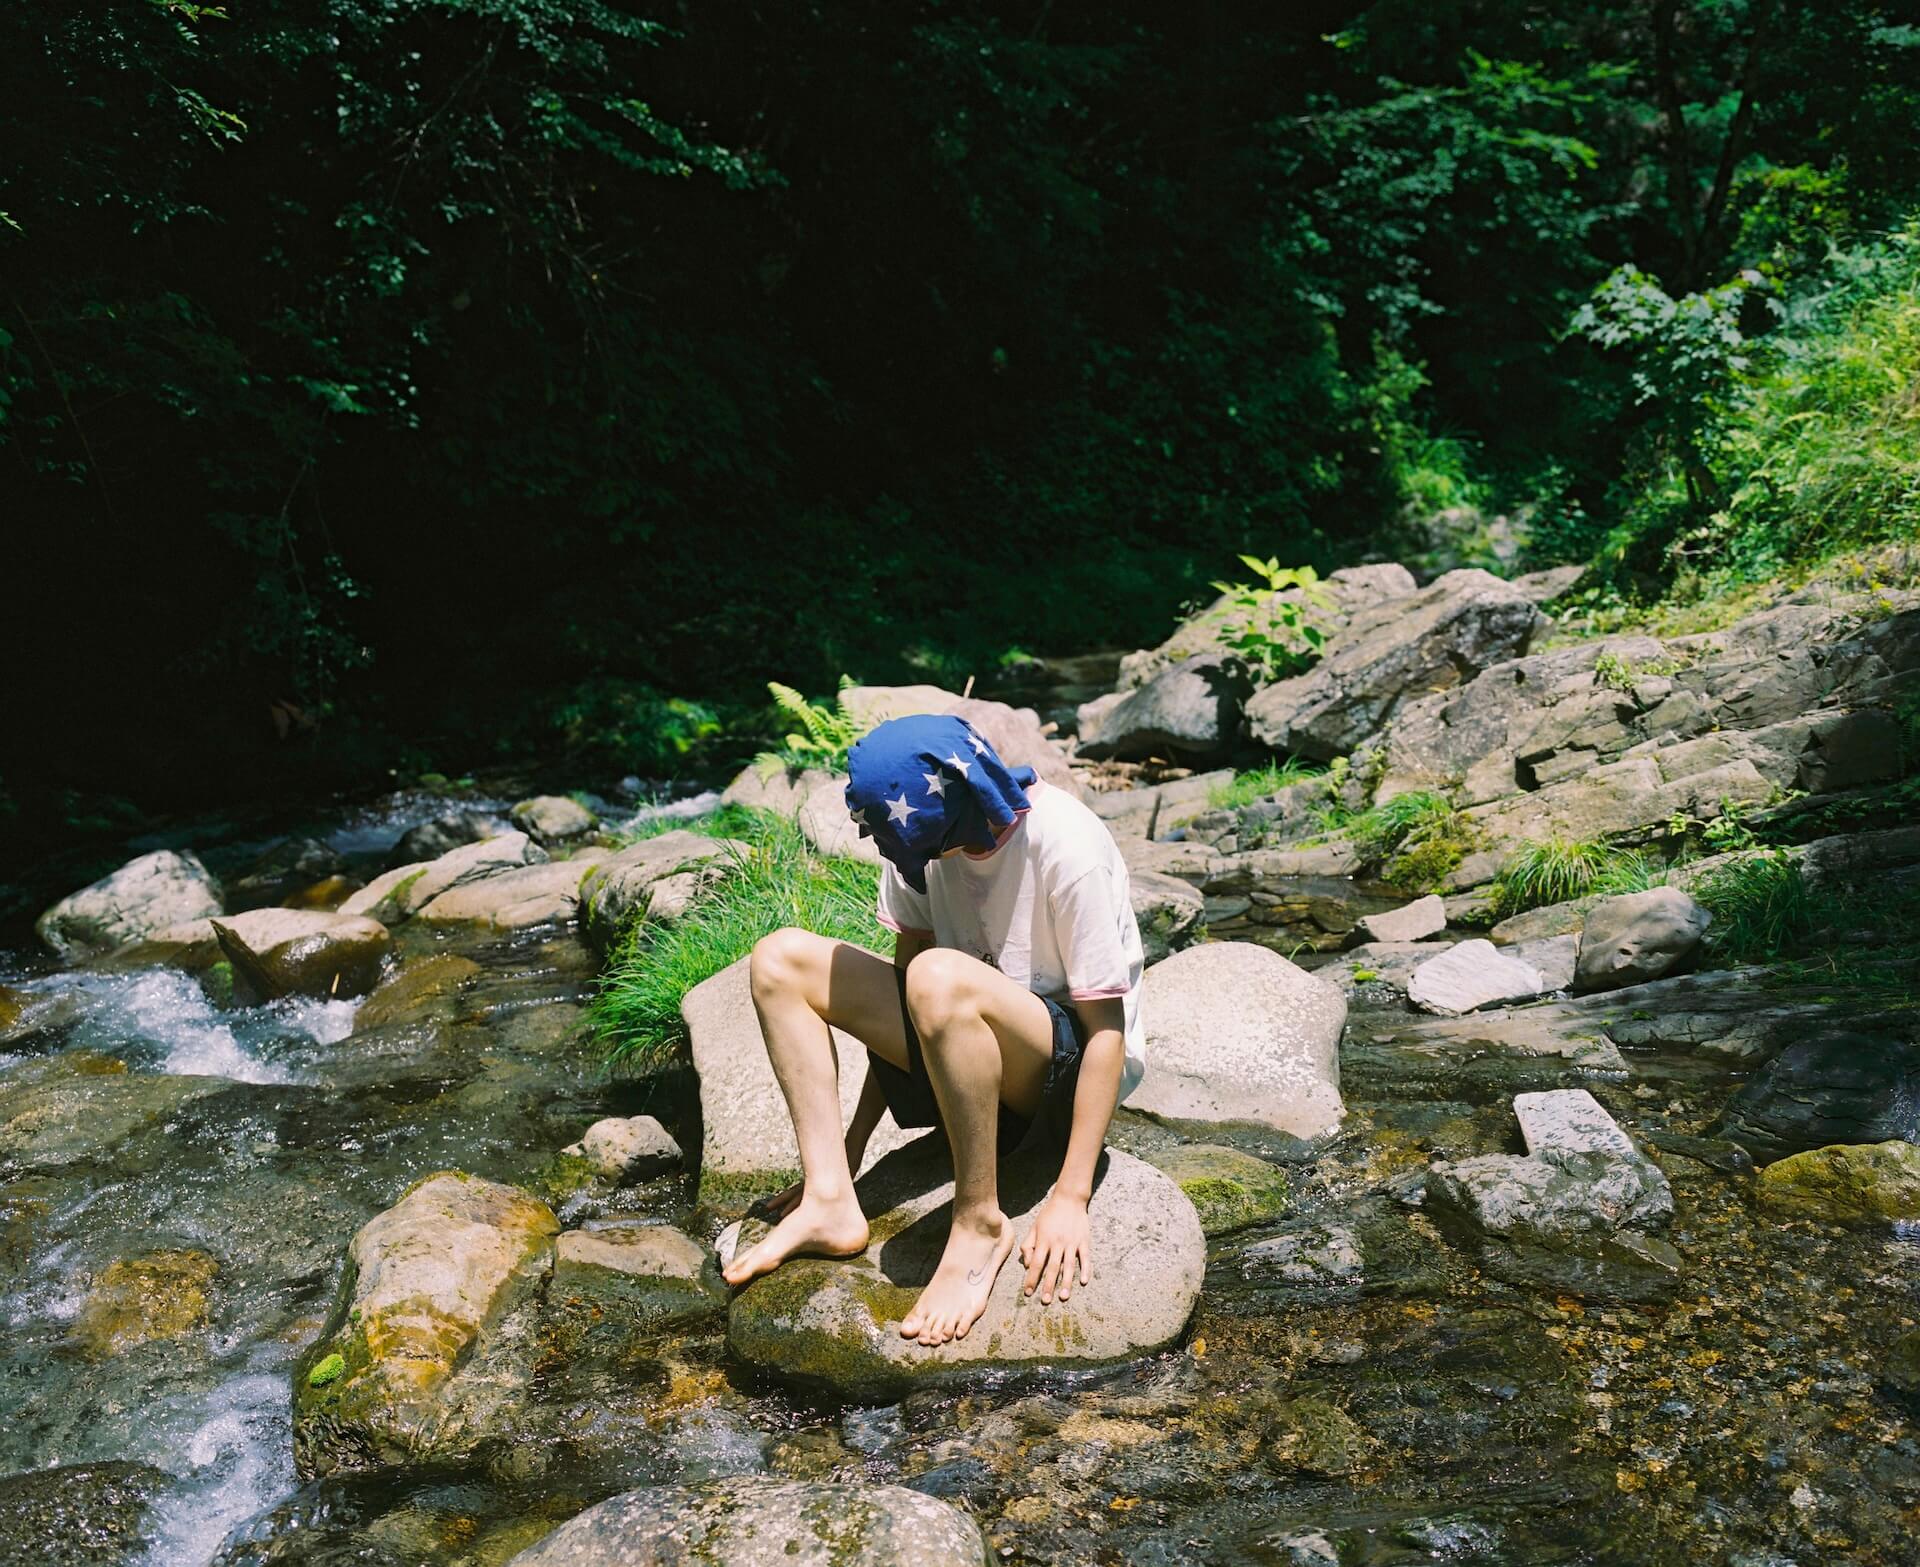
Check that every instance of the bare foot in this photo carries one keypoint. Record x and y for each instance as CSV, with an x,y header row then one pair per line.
x,y
812,1229
957,1294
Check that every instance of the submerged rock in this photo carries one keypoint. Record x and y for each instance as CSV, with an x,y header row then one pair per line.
x,y
1168,911
553,818
754,1521
1235,1032
421,988
1572,1214
146,895
78,1108
428,1348
162,1295
1638,936
1848,1184
1900,1373
78,1515
1472,975
1228,1189
835,1325
748,1146
650,1269
1838,1087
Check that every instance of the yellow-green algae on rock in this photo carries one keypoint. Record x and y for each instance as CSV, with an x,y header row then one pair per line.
x,y
1229,1189
427,1326
1851,1183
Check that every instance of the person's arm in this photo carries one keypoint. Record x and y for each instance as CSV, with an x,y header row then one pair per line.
x,y
1060,1245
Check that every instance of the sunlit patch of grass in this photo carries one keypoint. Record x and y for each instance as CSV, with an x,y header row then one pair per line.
x,y
1558,870
1762,907
778,880
1259,782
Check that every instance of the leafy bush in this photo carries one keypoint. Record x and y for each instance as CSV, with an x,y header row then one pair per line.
x,y
778,881
1272,631
1258,783
1559,870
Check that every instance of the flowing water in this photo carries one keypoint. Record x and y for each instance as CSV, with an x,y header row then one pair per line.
x,y
1353,1388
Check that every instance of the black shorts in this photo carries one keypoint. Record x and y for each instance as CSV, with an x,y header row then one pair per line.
x,y
909,1094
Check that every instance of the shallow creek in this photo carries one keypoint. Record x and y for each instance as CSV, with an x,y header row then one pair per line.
x,y
1482,1423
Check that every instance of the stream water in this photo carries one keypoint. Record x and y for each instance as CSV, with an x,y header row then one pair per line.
x,y
1353,1389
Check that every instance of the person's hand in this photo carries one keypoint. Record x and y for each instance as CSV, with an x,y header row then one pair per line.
x,y
1059,1245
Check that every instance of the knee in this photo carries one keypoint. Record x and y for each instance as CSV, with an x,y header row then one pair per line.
x,y
782,961
940,990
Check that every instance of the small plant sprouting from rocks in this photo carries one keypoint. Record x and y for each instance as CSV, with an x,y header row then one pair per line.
x,y
824,736
1622,674
1762,907
329,1370
1274,634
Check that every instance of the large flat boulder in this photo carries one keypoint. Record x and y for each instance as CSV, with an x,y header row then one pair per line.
x,y
1391,654
400,893
167,887
748,1145
625,886
1235,1032
1191,710
429,1346
546,894
835,1325
758,1521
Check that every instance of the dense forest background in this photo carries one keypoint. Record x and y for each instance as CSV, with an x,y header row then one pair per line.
x,y
417,384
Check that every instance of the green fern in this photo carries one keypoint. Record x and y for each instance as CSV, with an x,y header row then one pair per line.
x,y
824,736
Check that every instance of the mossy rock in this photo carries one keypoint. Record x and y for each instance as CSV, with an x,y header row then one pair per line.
x,y
835,1325
1867,1183
1229,1189
137,1300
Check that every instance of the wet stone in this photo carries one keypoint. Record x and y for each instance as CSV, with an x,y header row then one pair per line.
x,y
78,1515
760,1522
1229,1189
1841,1086
1866,1184
162,1295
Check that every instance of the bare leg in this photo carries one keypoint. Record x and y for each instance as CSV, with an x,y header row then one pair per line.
x,y
800,982
986,1041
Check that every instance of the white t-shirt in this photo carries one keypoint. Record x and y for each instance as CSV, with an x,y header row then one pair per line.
x,y
1051,908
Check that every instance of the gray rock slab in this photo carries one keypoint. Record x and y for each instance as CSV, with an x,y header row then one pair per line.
x,y
1569,1120
398,894
1413,921
1555,957
1190,710
756,1521
835,1325
1469,976
1168,911
516,899
1840,1086
1235,1032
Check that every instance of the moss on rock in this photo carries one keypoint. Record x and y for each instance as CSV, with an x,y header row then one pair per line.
x,y
1229,1189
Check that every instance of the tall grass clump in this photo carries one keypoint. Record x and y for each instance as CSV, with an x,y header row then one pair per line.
x,y
1761,905
777,880
1258,783
1558,870
1416,838
728,821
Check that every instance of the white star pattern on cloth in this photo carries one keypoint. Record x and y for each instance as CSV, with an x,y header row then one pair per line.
x,y
958,765
899,810
935,784
979,745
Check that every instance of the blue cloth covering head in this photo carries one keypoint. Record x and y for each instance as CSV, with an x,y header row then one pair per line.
x,y
921,785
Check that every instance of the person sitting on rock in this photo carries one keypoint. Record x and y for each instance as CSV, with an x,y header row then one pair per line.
x,y
1009,1016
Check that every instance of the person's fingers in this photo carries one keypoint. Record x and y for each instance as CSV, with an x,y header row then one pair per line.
x,y
1036,1260
1056,1264
1086,1264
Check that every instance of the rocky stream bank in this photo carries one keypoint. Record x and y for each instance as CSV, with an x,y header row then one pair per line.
x,y
1441,1229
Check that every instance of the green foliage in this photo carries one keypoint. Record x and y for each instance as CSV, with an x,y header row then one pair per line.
x,y
1259,783
1270,628
1762,907
630,725
1558,870
729,821
778,881
825,734
1622,674
329,1369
